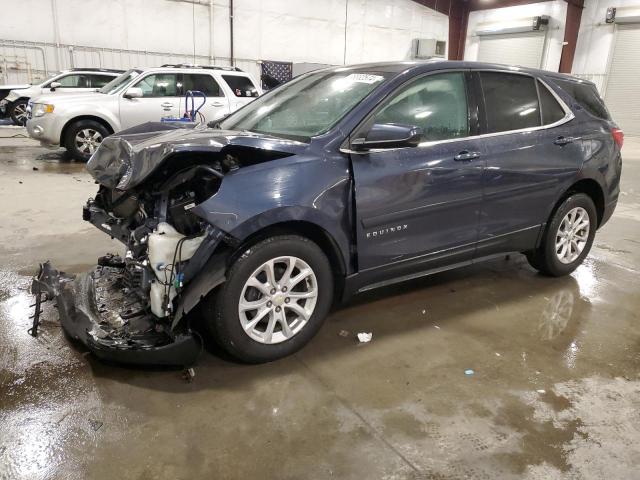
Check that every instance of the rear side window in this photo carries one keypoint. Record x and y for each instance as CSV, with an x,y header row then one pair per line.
x,y
586,96
241,86
511,101
437,103
201,82
99,81
550,109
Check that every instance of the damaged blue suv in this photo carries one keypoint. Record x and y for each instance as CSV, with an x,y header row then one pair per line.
x,y
340,181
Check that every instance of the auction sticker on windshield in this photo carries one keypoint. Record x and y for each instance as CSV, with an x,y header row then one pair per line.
x,y
364,78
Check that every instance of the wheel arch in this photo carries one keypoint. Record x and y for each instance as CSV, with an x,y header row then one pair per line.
x,y
589,187
313,232
94,118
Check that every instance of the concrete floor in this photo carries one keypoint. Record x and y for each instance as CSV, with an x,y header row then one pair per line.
x,y
555,393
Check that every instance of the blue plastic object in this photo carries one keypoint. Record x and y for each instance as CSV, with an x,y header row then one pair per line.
x,y
189,113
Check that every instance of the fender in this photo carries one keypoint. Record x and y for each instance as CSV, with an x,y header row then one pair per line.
x,y
296,189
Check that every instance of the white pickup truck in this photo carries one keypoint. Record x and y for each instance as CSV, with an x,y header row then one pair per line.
x,y
80,122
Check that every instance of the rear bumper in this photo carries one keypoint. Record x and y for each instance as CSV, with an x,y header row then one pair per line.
x,y
92,309
608,212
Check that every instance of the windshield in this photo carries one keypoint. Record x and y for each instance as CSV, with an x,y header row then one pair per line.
x,y
306,106
120,82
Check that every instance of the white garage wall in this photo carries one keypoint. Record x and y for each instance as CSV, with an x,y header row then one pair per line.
x,y
127,33
512,16
596,40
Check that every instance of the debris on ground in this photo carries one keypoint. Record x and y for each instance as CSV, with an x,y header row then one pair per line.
x,y
365,337
95,424
188,374
424,312
541,391
469,372
437,326
343,333
498,354
36,169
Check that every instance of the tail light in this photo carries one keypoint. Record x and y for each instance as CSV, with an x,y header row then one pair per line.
x,y
618,136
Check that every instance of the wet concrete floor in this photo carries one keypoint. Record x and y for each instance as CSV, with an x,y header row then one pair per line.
x,y
555,391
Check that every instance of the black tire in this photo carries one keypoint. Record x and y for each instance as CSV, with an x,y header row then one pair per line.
x,y
221,310
75,129
545,258
18,110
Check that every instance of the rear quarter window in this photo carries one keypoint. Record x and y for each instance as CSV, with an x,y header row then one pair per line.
x,y
586,96
241,86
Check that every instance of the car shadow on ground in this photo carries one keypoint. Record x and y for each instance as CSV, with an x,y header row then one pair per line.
x,y
397,310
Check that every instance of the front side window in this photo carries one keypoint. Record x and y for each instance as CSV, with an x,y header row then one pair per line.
x,y
511,101
306,106
159,85
436,103
241,86
201,82
74,81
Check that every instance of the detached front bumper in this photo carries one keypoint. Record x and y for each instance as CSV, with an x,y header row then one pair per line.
x,y
95,309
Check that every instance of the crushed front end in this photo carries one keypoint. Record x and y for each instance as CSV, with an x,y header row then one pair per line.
x,y
132,309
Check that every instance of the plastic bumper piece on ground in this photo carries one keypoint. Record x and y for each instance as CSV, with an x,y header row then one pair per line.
x,y
94,310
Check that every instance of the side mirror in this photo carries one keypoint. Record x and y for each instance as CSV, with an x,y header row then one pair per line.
x,y
133,92
54,85
389,135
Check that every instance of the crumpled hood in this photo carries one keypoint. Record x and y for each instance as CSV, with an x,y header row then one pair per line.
x,y
126,159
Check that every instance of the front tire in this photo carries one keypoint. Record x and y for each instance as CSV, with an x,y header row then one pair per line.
x,y
18,112
275,299
568,237
83,138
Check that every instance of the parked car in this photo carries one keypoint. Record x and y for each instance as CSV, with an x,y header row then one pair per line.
x,y
81,122
70,81
340,181
4,91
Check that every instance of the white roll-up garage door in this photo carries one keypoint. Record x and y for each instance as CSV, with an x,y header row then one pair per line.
x,y
523,49
623,93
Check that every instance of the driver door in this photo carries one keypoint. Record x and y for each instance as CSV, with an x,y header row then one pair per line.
x,y
417,207
161,96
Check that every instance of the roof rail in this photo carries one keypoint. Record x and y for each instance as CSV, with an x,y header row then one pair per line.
x,y
92,69
207,67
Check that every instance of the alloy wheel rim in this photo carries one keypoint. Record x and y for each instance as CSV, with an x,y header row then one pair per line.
x,y
572,235
278,299
20,112
88,140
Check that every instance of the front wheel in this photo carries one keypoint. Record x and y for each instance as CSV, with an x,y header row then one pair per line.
x,y
83,138
275,299
568,237
18,112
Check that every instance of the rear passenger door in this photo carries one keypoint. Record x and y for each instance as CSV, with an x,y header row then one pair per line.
x,y
242,89
216,104
532,155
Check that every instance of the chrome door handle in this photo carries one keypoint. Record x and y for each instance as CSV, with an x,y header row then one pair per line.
x,y
466,155
217,104
564,140
166,104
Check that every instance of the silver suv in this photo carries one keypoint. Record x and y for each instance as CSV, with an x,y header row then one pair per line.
x,y
80,122
76,80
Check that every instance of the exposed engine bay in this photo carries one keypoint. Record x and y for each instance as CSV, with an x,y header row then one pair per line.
x,y
131,309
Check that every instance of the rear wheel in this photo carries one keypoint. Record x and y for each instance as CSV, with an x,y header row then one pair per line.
x,y
568,237
83,138
18,112
275,299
